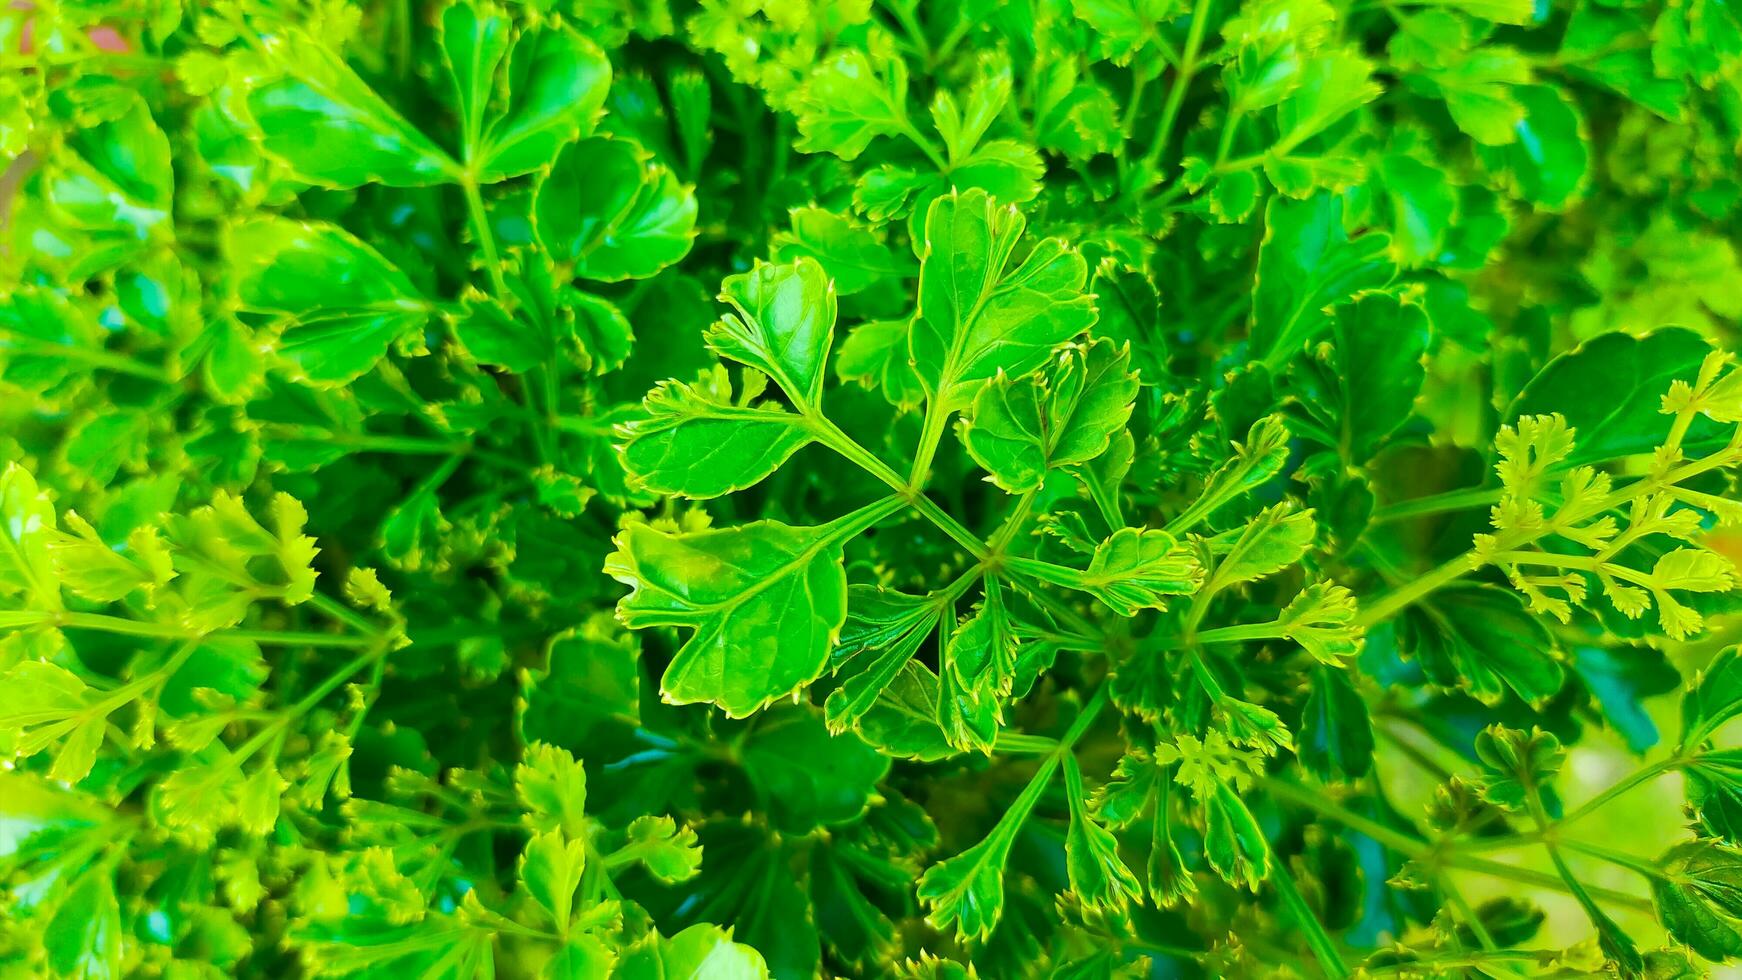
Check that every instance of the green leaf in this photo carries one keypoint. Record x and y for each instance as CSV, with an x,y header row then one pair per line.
x,y
83,938
884,630
556,82
849,100
337,304
853,256
1126,28
783,324
49,706
608,213
1307,264
331,128
875,355
699,951
765,602
475,38
1362,387
806,777
1270,542
903,721
1547,163
1481,638
1424,206
1638,370
1332,84
978,316
669,854
1097,875
1714,697
590,677
45,341
1020,429
1336,734
550,870
26,530
697,441
492,335
977,667
582,957
1699,898
1234,845
1322,619
1520,767
116,175
1252,465
1714,793
1479,88
967,891
552,789
1135,568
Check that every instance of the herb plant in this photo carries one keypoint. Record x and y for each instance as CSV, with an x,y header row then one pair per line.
x,y
1165,488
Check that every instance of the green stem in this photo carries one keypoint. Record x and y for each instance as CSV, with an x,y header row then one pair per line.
x,y
1081,644
485,235
486,238
1176,93
936,418
1628,861
1539,879
1405,596
1439,503
107,360
1455,898
1236,634
1421,851
1106,502
345,614
1091,709
911,27
1324,949
925,146
1394,602
1001,538
831,435
1207,677
855,523
1442,965
333,682
1230,126
1644,775
1016,743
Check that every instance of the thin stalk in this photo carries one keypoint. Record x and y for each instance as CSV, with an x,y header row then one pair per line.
x,y
105,359
334,609
831,435
1236,634
1401,598
1319,941
1001,538
1439,503
485,235
1644,775
1016,743
1176,93
1422,851
1628,861
1405,596
936,418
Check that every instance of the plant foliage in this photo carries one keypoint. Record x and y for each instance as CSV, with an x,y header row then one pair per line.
x,y
688,488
